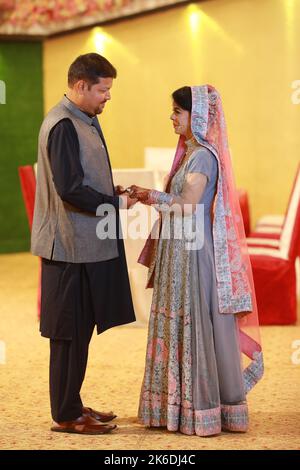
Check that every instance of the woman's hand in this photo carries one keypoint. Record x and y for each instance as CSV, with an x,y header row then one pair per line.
x,y
136,192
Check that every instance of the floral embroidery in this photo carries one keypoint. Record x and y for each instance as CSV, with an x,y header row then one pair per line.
x,y
254,372
235,417
167,390
158,197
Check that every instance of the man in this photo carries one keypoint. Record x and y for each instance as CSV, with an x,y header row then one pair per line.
x,y
84,278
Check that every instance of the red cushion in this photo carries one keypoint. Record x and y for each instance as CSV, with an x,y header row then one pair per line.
x,y
253,244
273,236
275,288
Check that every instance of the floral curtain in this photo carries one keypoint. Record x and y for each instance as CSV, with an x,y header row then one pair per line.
x,y
27,13
48,16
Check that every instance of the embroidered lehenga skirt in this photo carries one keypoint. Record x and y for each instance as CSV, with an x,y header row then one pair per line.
x,y
193,379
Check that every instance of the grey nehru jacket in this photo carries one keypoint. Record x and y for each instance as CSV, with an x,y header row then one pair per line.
x,y
60,231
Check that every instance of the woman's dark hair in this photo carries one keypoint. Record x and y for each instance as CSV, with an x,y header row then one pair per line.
x,y
183,97
90,67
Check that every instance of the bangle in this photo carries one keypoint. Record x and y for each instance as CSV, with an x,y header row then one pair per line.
x,y
158,197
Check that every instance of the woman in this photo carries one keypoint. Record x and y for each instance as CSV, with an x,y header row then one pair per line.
x,y
203,308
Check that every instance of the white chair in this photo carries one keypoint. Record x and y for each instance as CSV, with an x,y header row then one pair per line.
x,y
139,176
273,224
275,268
283,240
159,160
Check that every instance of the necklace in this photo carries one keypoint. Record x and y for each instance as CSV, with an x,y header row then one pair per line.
x,y
191,145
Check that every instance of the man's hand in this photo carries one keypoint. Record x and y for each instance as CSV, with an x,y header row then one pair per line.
x,y
119,190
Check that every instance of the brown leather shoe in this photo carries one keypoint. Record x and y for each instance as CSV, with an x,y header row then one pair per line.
x,y
85,424
98,415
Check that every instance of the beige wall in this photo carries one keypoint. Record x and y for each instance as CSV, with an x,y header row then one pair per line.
x,y
248,49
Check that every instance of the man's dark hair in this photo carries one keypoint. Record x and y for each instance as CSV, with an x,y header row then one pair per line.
x,y
183,97
90,67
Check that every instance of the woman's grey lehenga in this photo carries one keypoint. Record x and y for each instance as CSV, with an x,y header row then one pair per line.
x,y
193,377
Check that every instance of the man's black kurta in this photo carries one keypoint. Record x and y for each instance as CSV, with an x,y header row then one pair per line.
x,y
105,283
